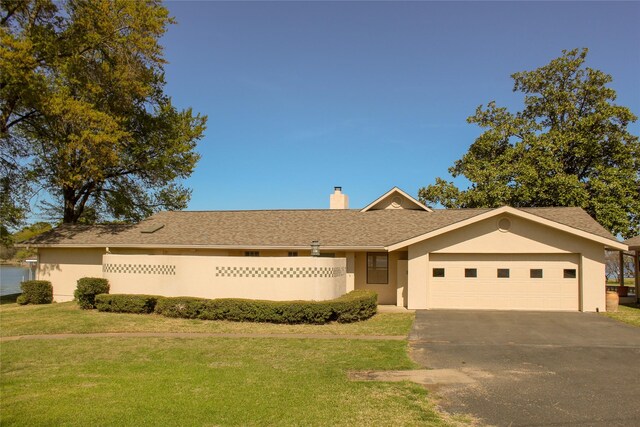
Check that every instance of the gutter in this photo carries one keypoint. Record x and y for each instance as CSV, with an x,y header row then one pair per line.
x,y
223,247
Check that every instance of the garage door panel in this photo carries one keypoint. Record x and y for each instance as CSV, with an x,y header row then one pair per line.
x,y
517,292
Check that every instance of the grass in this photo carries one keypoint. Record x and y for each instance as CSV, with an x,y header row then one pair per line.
x,y
628,281
205,381
628,313
66,317
202,380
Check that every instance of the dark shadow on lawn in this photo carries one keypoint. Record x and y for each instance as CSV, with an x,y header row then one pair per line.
x,y
9,299
632,305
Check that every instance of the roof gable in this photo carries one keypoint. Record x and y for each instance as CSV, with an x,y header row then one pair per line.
x,y
395,199
594,235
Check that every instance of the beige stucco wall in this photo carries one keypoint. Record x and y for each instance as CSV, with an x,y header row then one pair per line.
x,y
269,278
387,293
592,278
63,268
524,237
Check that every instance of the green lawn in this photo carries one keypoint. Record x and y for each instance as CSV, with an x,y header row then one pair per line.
x,y
206,381
202,380
68,318
628,281
627,313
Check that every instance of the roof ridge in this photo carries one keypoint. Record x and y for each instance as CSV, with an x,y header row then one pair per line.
x,y
260,210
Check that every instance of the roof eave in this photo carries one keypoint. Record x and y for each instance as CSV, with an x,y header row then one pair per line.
x,y
221,247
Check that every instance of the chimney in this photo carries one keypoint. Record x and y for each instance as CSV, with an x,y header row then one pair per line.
x,y
338,200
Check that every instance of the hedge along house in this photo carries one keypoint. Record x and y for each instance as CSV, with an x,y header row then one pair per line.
x,y
412,256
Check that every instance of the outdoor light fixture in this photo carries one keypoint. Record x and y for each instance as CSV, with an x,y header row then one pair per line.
x,y
315,248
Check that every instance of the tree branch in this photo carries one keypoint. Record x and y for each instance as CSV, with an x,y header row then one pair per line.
x,y
10,12
21,118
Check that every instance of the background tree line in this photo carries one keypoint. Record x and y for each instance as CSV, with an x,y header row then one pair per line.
x,y
9,252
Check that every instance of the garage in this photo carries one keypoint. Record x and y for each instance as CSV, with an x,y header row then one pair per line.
x,y
504,281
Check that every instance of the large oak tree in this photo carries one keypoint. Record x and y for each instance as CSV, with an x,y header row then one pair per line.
x,y
83,113
569,146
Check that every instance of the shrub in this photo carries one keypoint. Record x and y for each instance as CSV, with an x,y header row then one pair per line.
x,y
242,310
36,292
355,306
184,307
126,303
88,288
352,307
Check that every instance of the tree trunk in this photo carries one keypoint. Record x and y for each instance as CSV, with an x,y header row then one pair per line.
x,y
70,215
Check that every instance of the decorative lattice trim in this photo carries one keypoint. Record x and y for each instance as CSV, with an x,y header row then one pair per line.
x,y
280,272
169,270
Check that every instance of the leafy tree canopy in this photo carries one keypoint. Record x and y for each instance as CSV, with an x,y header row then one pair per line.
x,y
7,240
83,115
29,231
569,146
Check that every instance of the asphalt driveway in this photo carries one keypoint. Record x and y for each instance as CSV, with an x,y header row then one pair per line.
x,y
533,368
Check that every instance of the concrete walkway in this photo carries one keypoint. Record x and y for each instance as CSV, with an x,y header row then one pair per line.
x,y
393,309
203,335
426,377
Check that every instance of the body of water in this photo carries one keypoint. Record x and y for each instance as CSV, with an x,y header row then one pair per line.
x,y
10,278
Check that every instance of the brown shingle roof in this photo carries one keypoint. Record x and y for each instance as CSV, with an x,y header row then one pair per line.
x,y
289,228
573,217
633,242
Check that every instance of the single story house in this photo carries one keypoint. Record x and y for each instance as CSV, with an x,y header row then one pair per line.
x,y
412,256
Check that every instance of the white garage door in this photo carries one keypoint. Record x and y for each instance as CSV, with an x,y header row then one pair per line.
x,y
504,282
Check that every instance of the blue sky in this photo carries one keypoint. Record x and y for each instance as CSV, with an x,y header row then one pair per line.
x,y
304,96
